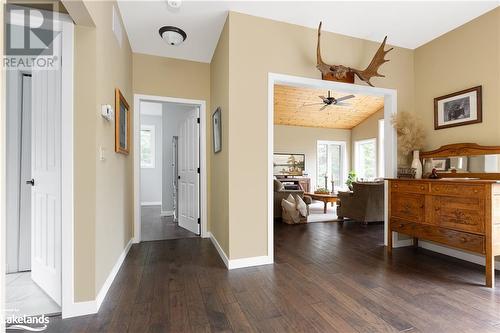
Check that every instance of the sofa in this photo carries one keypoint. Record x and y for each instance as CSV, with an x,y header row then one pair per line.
x,y
364,204
281,193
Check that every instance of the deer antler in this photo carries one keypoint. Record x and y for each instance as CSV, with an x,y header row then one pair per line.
x,y
372,69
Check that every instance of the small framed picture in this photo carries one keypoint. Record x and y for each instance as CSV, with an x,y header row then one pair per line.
x,y
457,109
440,164
122,124
217,130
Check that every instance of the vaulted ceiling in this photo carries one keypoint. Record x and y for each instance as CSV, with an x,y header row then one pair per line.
x,y
292,107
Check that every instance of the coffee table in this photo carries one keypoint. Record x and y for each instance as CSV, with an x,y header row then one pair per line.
x,y
326,198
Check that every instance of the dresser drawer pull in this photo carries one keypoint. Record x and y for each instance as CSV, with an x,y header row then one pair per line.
x,y
463,239
401,225
422,188
475,191
437,209
395,185
421,206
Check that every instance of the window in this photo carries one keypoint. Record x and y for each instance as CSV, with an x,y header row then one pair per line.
x,y
366,158
331,162
381,151
147,146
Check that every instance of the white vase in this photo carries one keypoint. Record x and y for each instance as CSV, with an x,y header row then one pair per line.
x,y
416,164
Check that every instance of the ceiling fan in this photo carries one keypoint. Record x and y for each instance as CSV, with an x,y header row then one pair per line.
x,y
331,101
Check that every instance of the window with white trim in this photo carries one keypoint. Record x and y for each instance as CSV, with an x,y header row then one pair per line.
x,y
148,146
331,161
381,150
365,157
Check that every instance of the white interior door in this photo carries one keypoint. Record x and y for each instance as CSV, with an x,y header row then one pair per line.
x,y
46,173
25,189
189,177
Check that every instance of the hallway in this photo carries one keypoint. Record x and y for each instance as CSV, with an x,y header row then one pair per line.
x,y
156,227
326,278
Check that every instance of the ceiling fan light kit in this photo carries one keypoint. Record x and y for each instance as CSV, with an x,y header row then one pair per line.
x,y
172,35
330,100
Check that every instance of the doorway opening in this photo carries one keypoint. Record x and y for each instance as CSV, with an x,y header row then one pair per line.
x,y
39,169
171,201
321,160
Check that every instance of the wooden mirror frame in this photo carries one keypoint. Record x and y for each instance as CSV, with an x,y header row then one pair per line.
x,y
464,149
120,100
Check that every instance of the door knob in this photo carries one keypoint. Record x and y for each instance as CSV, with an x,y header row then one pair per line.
x,y
32,182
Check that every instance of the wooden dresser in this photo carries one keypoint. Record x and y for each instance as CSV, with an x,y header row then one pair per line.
x,y
464,214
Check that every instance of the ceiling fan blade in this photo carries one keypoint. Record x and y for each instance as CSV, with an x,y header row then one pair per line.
x,y
324,106
343,104
322,97
312,104
343,98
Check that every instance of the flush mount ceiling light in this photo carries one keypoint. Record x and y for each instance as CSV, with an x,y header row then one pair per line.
x,y
172,35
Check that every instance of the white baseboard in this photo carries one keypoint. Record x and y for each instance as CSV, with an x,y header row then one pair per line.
x,y
167,213
91,307
239,263
249,262
151,203
219,249
107,284
467,256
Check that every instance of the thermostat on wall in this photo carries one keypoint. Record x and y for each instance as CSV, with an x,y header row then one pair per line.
x,y
107,111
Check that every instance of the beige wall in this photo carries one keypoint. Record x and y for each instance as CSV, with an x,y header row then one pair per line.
x,y
219,93
169,77
465,57
304,140
85,170
104,189
260,46
368,129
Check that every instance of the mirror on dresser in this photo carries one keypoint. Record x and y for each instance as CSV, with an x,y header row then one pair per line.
x,y
463,160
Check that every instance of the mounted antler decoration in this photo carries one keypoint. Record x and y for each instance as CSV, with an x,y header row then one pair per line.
x,y
346,74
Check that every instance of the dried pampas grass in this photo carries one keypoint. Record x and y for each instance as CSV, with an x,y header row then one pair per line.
x,y
410,132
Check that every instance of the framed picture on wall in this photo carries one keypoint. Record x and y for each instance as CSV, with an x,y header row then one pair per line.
x,y
457,109
217,130
122,124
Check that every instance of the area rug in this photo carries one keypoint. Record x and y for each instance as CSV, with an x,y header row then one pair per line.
x,y
316,213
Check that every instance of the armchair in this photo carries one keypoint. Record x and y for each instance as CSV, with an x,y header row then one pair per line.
x,y
281,193
364,204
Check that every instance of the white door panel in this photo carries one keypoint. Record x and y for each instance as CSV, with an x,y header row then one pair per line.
x,y
189,182
46,172
25,189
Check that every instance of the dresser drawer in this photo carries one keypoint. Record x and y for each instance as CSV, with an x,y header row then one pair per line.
x,y
408,206
409,186
462,213
462,240
402,226
462,190
453,238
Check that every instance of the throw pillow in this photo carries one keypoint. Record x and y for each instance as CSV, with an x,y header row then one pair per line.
x,y
301,206
291,199
290,211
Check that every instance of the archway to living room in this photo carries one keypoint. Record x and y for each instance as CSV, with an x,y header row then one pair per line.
x,y
315,172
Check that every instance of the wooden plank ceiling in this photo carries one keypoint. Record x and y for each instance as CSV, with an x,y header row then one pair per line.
x,y
289,108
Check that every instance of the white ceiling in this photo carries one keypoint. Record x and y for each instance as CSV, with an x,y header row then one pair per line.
x,y
407,23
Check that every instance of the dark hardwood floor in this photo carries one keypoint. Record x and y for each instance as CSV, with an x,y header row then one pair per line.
x,y
327,278
156,227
